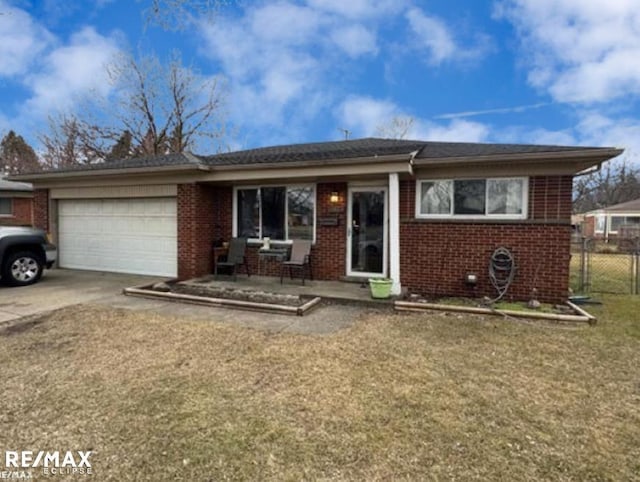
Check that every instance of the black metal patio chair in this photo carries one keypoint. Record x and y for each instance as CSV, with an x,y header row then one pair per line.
x,y
236,257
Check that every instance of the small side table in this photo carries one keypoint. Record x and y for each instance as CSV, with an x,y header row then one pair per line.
x,y
217,252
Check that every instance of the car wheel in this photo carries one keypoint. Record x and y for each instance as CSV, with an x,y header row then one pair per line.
x,y
22,268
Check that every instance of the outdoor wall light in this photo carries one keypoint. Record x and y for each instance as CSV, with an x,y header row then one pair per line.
x,y
334,198
471,279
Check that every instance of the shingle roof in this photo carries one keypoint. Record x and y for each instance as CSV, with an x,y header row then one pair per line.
x,y
626,206
147,161
326,151
372,147
15,186
368,147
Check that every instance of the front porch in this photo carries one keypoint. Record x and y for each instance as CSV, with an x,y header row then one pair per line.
x,y
354,225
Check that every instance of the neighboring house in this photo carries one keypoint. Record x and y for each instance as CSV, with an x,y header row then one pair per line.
x,y
611,222
16,203
422,213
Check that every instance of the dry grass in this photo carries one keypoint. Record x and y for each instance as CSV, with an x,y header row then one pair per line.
x,y
394,397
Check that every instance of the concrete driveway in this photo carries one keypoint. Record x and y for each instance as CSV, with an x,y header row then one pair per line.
x,y
64,287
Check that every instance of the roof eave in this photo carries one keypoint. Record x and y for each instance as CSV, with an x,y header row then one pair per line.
x,y
54,175
594,155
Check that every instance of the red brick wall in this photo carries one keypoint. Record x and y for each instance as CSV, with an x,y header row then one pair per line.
x,y
22,212
41,208
329,253
589,227
196,221
223,211
550,198
436,254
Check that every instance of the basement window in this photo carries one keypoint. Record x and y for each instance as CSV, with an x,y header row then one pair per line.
x,y
282,213
500,198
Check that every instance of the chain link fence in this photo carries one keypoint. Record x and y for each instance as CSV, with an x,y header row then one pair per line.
x,y
599,267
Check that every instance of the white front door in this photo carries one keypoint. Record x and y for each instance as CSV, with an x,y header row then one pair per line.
x,y
129,235
367,232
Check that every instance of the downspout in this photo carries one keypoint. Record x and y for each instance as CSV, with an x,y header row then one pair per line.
x,y
412,156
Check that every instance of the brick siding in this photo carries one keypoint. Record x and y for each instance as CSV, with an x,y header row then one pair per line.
x,y
196,223
41,209
589,227
22,212
436,254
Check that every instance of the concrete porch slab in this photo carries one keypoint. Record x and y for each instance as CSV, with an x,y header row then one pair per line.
x,y
335,291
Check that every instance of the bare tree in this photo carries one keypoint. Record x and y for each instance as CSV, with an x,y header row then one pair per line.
x,y
167,108
71,140
616,182
156,109
16,156
397,128
178,14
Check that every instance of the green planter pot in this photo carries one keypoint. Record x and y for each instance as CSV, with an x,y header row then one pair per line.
x,y
380,287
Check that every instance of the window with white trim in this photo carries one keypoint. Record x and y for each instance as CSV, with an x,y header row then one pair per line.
x,y
6,208
600,223
617,221
504,198
281,213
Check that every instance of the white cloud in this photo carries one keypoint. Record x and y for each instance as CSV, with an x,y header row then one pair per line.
x,y
563,137
363,116
597,129
355,40
359,9
21,40
283,23
433,34
457,130
580,51
72,71
434,37
282,58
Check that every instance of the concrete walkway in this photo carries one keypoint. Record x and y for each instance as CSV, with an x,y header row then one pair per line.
x,y
60,288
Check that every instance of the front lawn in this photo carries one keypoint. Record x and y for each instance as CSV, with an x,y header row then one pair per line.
x,y
439,396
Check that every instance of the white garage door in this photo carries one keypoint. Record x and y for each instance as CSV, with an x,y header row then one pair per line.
x,y
121,235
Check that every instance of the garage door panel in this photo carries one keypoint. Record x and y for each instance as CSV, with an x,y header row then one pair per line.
x,y
121,235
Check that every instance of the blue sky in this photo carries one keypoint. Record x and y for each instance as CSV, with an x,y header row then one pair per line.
x,y
527,71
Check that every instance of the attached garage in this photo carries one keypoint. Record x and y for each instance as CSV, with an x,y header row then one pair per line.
x,y
135,235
